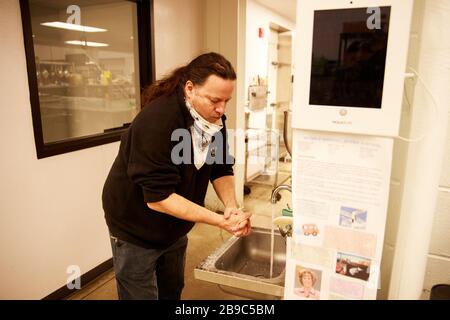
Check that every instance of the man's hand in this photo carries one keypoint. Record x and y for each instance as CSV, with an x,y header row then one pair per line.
x,y
242,226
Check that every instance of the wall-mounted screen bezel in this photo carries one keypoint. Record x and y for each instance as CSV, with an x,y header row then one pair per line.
x,y
371,119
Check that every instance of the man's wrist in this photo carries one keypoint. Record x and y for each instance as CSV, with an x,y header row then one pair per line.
x,y
217,220
232,205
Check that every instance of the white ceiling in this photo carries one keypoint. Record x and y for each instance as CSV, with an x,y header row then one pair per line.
x,y
286,8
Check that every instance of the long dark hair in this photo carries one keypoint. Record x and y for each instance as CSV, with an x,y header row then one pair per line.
x,y
197,71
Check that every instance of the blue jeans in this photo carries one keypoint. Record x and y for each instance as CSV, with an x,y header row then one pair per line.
x,y
149,274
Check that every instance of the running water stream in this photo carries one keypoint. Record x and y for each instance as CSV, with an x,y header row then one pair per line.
x,y
272,240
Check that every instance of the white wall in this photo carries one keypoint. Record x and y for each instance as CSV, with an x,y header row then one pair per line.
x,y
257,53
438,259
256,59
417,166
438,268
256,64
50,209
224,33
179,33
400,158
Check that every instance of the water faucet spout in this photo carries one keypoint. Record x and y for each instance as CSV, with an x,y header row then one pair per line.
x,y
277,190
283,223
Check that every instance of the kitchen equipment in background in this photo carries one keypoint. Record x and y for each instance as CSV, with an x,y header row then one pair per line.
x,y
257,97
66,74
45,74
287,131
76,79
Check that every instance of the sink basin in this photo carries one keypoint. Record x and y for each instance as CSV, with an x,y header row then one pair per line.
x,y
242,266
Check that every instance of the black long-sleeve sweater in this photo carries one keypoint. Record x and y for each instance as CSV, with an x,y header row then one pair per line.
x,y
143,171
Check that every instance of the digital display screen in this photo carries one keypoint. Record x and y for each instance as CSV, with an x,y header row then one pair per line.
x,y
349,57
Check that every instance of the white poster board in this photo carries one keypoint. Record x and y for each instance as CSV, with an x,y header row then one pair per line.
x,y
340,194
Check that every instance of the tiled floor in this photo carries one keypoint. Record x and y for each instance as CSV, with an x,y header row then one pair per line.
x,y
203,239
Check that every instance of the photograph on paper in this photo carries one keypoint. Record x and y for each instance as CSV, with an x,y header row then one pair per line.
x,y
353,218
307,283
353,266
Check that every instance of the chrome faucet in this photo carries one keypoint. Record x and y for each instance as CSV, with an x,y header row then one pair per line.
x,y
277,190
284,224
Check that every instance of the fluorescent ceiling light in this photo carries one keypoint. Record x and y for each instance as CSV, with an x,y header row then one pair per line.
x,y
87,43
71,26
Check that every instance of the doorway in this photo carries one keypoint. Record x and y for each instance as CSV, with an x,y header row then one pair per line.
x,y
279,76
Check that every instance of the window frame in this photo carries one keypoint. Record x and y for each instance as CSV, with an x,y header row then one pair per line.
x,y
146,76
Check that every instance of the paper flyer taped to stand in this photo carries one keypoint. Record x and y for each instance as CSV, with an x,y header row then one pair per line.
x,y
340,194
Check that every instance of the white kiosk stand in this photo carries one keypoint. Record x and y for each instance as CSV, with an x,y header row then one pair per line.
x,y
349,74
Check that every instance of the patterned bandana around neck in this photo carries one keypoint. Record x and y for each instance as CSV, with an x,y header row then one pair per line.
x,y
202,132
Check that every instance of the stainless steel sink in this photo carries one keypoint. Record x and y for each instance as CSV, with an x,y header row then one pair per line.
x,y
242,266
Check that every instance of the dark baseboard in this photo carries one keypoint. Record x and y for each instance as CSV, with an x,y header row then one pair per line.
x,y
64,292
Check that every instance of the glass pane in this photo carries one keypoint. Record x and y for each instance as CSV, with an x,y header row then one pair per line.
x,y
87,66
349,56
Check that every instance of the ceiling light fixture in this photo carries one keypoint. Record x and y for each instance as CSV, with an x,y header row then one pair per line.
x,y
71,26
86,43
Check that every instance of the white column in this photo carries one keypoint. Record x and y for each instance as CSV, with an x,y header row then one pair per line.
x,y
425,158
225,26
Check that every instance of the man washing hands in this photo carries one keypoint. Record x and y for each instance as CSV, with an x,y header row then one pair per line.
x,y
154,194
243,226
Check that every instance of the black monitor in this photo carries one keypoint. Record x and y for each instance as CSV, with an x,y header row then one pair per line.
x,y
349,57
